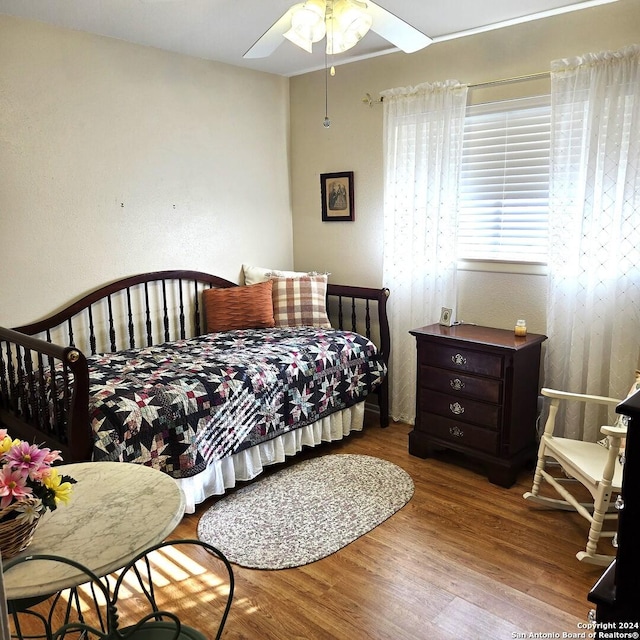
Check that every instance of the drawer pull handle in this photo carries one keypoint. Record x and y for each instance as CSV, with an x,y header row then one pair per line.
x,y
457,384
458,359
456,408
456,432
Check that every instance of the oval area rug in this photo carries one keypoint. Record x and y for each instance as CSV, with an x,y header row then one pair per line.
x,y
306,511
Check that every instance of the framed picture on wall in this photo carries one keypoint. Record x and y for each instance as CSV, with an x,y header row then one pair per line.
x,y
337,196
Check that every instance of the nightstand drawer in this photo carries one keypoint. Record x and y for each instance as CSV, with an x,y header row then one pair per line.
x,y
458,408
456,383
462,359
460,433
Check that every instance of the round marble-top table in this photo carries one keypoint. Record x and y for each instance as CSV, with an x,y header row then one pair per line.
x,y
117,510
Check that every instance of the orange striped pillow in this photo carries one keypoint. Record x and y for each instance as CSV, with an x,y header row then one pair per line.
x,y
248,307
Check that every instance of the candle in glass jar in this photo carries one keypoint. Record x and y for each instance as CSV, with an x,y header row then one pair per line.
x,y
521,328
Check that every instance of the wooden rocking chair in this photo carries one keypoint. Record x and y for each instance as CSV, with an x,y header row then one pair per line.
x,y
595,465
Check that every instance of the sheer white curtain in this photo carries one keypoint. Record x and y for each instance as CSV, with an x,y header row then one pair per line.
x,y
423,129
593,315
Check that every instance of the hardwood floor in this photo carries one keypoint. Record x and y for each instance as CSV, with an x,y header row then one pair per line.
x,y
463,559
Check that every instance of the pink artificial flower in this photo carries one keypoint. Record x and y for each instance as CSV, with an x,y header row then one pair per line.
x,y
37,475
51,456
12,486
26,456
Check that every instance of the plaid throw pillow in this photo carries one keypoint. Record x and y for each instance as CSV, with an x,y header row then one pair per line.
x,y
300,301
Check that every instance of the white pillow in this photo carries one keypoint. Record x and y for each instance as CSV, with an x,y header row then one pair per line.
x,y
254,275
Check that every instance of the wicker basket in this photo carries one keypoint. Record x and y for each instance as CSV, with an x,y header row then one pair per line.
x,y
15,534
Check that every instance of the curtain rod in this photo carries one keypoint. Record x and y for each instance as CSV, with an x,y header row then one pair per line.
x,y
367,99
530,76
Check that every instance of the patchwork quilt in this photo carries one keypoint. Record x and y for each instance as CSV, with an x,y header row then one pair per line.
x,y
181,405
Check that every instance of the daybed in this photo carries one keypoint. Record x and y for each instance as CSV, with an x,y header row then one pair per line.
x,y
151,369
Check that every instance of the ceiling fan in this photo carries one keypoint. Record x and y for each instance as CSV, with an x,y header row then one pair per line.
x,y
342,22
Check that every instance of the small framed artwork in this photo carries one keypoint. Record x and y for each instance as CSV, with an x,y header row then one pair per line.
x,y
446,317
337,196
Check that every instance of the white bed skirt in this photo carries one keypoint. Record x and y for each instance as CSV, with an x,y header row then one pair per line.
x,y
246,465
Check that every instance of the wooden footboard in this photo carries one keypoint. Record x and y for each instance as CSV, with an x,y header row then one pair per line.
x,y
44,386
44,393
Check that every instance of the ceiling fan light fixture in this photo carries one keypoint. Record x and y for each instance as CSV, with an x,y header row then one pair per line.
x,y
337,42
307,24
351,16
304,43
344,23
347,24
319,7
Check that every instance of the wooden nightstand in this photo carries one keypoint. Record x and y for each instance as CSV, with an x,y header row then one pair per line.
x,y
477,393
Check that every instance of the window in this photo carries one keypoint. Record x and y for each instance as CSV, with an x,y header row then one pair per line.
x,y
504,181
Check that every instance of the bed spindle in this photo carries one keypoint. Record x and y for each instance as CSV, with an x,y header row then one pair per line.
x,y
181,312
4,389
196,308
30,387
131,326
340,314
148,316
354,318
66,395
22,390
112,331
70,333
7,382
5,377
13,386
92,335
43,414
165,311
15,383
54,395
367,319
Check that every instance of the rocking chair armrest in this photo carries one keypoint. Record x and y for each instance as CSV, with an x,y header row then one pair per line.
x,y
614,432
582,397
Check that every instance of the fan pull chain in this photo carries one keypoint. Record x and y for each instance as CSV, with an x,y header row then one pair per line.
x,y
327,122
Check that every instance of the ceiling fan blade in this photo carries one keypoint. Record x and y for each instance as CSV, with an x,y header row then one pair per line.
x,y
271,39
396,30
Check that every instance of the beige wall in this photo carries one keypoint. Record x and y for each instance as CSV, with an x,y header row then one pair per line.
x,y
117,159
353,251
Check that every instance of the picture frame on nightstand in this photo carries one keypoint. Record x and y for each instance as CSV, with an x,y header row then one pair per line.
x,y
446,317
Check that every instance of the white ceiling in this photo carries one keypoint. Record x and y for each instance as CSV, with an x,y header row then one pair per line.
x,y
224,30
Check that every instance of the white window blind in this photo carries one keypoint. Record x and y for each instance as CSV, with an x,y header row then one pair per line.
x,y
504,181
